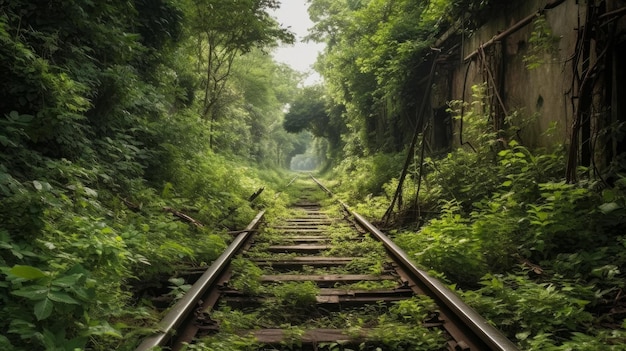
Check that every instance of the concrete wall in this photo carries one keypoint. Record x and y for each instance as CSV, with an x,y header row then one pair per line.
x,y
542,95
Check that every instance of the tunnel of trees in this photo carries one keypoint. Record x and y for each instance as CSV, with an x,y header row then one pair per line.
x,y
133,134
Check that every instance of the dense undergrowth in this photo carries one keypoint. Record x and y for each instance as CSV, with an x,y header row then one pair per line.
x,y
73,249
542,259
76,240
110,175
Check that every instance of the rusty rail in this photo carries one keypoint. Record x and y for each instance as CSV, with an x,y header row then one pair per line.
x,y
485,332
487,336
183,308
469,330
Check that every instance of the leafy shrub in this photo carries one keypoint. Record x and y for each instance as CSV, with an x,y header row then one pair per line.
x,y
447,245
246,276
367,175
413,311
592,340
560,220
296,294
523,308
462,176
405,337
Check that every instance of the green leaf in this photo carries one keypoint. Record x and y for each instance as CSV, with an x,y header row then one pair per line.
x,y
609,207
104,328
177,281
6,141
36,292
60,296
90,192
5,344
25,118
84,294
48,339
17,254
27,272
43,309
5,190
608,195
67,280
37,185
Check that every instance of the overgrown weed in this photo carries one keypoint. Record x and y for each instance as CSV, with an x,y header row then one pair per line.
x,y
507,210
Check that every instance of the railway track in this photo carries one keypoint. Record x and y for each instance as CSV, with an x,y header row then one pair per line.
x,y
320,278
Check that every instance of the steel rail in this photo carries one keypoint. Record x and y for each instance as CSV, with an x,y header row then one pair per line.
x,y
477,323
488,334
181,310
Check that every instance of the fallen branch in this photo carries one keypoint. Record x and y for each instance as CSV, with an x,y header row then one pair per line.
x,y
533,267
131,205
183,216
256,194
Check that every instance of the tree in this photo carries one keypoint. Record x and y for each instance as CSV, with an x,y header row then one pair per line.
x,y
307,112
223,30
374,56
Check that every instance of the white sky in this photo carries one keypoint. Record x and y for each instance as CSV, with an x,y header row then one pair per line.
x,y
300,56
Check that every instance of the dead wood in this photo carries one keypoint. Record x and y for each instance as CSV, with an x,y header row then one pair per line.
x,y
183,216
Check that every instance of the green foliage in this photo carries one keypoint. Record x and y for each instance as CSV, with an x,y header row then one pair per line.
x,y
461,175
179,288
220,32
523,169
560,221
399,328
308,112
232,320
354,246
229,342
542,43
296,294
448,245
98,135
264,88
246,276
363,176
527,309
603,340
405,337
375,52
373,263
413,311
522,212
476,116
